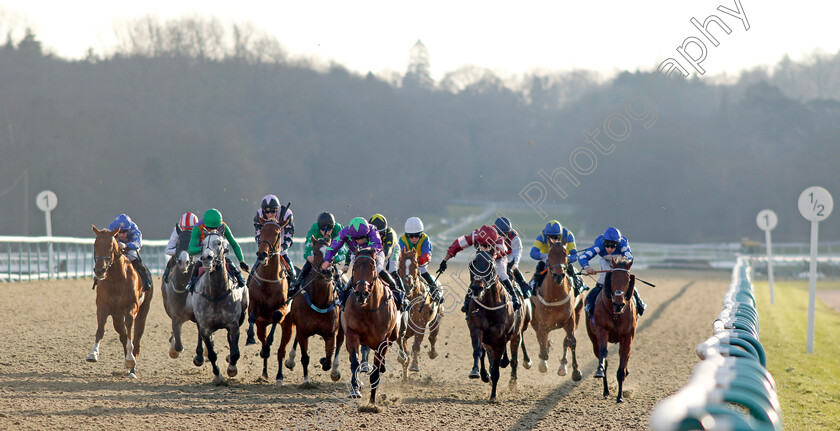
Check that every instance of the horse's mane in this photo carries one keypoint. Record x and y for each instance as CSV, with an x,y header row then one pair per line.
x,y
482,265
620,262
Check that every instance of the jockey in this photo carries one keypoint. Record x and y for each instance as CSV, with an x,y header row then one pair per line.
x,y
415,239
484,238
389,242
212,222
513,244
611,243
359,234
554,232
324,227
185,223
271,210
130,240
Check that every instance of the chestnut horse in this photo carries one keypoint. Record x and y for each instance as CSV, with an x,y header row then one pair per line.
x,y
423,315
268,290
556,306
119,294
218,303
492,323
314,312
370,318
174,291
614,321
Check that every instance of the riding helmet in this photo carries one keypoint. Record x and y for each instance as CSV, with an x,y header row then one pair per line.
x,y
413,225
212,218
553,228
612,234
358,227
188,221
502,225
379,221
326,221
270,201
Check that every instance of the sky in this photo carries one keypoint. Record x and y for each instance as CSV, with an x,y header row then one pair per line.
x,y
509,38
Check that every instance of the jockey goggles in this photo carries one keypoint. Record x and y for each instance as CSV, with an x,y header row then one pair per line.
x,y
413,235
553,237
611,244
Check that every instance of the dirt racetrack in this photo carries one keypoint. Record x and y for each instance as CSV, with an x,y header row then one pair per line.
x,y
46,330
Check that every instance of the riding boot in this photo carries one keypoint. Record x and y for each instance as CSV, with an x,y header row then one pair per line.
x,y
591,297
344,294
292,269
145,275
640,305
523,285
397,289
295,287
513,296
236,273
193,277
169,266
466,303
577,282
538,276
434,291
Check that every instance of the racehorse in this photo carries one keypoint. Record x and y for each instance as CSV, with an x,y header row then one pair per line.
x,y
556,306
119,294
423,314
369,318
492,322
217,304
614,321
174,291
268,289
314,312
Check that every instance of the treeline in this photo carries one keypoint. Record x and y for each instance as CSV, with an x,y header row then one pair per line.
x,y
187,115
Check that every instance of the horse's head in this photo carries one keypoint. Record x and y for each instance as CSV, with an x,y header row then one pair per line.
x,y
409,270
483,271
213,251
319,249
558,259
269,239
619,285
364,274
105,251
184,261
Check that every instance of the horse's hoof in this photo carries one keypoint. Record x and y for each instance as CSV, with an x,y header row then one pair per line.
x,y
289,363
278,383
365,368
326,364
336,376
576,375
250,340
493,401
130,363
512,384
173,353
93,357
132,376
599,374
527,365
227,359
307,384
414,367
485,377
619,400
561,371
198,360
543,367
401,359
474,374
433,354
218,380
504,362
232,371
354,393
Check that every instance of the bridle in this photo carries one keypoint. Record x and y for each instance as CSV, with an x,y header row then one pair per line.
x,y
617,314
108,259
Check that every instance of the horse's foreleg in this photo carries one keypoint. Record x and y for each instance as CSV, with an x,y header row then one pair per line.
x,y
527,363
601,372
211,356
514,358
303,342
123,327
198,360
570,343
329,348
249,336
287,329
415,351
495,359
233,342
402,342
335,375
542,339
101,319
624,356
176,346
477,354
352,346
378,369
140,321
366,367
433,334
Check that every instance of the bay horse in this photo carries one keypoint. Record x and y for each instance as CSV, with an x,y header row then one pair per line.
x,y
614,321
218,303
492,322
423,314
370,318
174,290
119,294
314,311
556,306
268,289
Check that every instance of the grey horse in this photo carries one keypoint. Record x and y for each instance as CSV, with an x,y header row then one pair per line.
x,y
173,288
217,304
